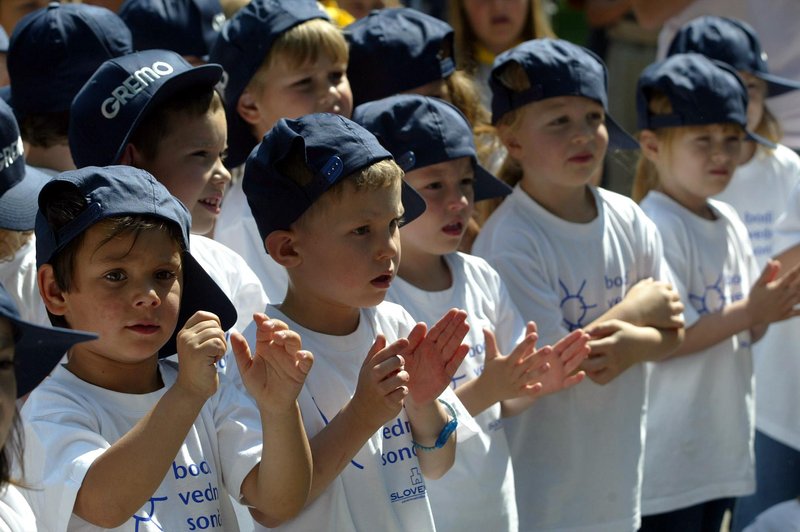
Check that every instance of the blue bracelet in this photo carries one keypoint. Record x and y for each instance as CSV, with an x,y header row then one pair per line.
x,y
446,432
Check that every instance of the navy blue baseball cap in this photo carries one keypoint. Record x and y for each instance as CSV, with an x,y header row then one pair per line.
x,y
124,191
556,68
242,46
733,42
37,349
335,147
107,110
701,91
395,50
188,27
19,183
53,51
420,131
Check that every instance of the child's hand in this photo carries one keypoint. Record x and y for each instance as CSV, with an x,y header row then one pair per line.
x,y
515,375
772,299
432,359
613,349
382,383
200,343
655,303
562,362
275,375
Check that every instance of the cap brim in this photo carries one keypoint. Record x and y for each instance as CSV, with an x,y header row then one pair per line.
x,y
749,135
488,186
19,204
777,85
200,292
38,351
413,204
5,94
241,140
618,138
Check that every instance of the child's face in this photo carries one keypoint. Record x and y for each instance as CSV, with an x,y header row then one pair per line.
x,y
189,162
289,91
756,93
560,141
497,24
698,163
448,190
8,381
349,249
127,290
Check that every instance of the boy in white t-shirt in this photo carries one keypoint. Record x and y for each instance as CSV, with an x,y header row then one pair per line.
x,y
327,200
432,139
570,255
118,437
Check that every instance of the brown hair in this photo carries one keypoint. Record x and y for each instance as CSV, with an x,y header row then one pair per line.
x,y
11,453
11,241
45,130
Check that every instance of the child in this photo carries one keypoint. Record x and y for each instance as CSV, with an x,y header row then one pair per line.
x,y
19,188
570,254
758,191
51,55
699,451
187,27
433,139
120,438
28,353
152,110
282,58
327,200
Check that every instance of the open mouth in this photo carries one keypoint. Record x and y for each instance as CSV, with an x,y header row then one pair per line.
x,y
453,229
382,281
213,203
144,328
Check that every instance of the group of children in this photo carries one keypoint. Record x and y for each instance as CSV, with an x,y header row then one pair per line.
x,y
587,367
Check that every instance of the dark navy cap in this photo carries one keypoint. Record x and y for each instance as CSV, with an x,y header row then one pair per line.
x,y
730,41
124,191
701,92
242,46
107,110
19,184
37,349
556,68
335,147
53,51
397,50
187,27
420,131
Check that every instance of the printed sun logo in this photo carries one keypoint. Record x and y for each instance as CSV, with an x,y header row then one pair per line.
x,y
575,306
711,300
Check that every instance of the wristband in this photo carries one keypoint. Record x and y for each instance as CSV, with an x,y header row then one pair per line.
x,y
446,432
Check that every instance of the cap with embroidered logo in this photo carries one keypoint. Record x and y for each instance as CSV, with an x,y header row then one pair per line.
x,y
700,91
107,110
125,191
242,45
37,348
421,131
19,183
334,148
555,67
395,50
187,27
53,51
733,42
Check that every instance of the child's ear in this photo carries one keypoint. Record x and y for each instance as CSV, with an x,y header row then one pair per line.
x,y
281,247
52,295
247,107
130,156
509,139
648,141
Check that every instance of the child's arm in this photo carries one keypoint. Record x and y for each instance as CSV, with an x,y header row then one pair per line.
x,y
278,486
431,361
648,303
772,298
143,455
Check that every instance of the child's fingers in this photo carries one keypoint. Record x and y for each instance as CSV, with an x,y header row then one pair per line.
x,y
241,351
417,334
523,351
201,316
304,360
572,380
594,364
452,365
770,272
450,324
377,345
491,345
288,340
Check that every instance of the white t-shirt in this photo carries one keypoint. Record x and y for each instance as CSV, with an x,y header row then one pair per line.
x,y
15,514
69,423
237,229
759,192
577,454
18,276
233,275
382,488
478,491
701,417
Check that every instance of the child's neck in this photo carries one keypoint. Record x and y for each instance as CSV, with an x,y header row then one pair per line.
x,y
56,157
572,204
749,149
426,271
318,315
697,205
133,378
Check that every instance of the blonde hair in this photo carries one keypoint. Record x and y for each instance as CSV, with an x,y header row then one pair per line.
x,y
11,241
302,45
536,26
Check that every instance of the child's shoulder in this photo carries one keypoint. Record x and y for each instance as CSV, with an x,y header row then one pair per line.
x,y
390,319
619,205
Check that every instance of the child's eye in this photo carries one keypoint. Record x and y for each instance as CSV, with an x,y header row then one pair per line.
x,y
363,230
398,222
561,120
303,83
114,276
433,186
596,117
468,181
336,77
166,275
6,365
223,155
